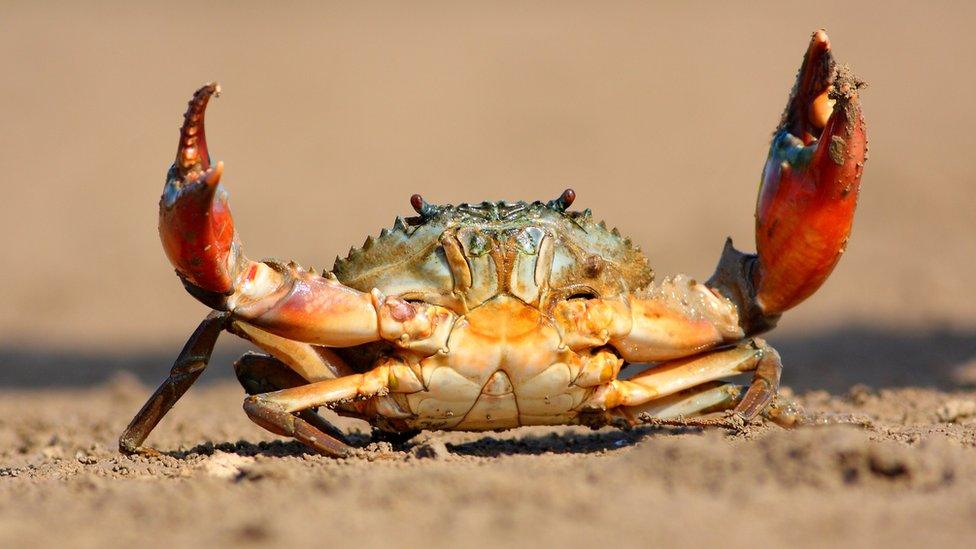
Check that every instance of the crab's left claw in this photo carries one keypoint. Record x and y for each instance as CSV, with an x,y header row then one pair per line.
x,y
195,224
810,182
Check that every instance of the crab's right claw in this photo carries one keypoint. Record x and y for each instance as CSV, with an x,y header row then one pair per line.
x,y
195,224
810,182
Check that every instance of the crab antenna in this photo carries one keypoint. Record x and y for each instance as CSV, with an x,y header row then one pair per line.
x,y
564,201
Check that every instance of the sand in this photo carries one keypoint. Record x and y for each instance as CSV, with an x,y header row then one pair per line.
x,y
903,476
332,116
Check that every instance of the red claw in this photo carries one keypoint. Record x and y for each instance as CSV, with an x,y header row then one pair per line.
x,y
810,182
195,224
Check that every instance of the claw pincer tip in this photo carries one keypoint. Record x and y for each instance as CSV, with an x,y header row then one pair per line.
x,y
192,153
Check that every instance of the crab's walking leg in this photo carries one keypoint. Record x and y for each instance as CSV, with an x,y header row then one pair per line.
x,y
698,406
807,197
188,366
702,399
311,362
675,376
276,411
262,374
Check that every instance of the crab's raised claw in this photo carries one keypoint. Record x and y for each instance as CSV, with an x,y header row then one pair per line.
x,y
195,223
810,182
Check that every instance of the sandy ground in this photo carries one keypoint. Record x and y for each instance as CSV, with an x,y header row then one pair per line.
x,y
903,476
658,114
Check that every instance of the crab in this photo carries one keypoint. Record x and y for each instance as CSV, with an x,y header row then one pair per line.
x,y
496,315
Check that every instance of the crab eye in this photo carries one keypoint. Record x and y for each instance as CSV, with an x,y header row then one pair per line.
x,y
582,294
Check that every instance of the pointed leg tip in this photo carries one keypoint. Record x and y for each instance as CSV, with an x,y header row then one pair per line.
x,y
209,89
819,60
819,40
215,173
198,103
809,106
192,155
818,52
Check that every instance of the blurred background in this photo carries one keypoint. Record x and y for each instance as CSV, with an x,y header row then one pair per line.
x,y
658,114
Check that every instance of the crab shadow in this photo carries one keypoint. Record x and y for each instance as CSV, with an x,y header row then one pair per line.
x,y
243,448
833,360
548,442
604,440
